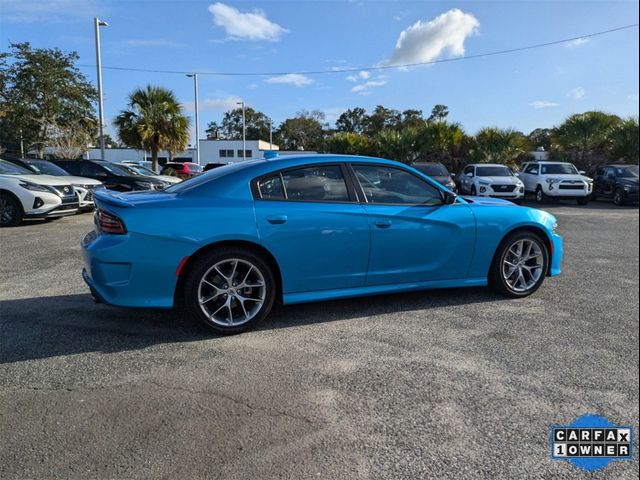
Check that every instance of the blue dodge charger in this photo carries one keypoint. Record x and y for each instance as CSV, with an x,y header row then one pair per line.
x,y
229,243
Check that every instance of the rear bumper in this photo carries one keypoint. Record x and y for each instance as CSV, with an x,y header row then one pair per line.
x,y
131,270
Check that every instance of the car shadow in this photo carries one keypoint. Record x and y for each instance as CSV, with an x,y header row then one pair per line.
x,y
592,205
38,328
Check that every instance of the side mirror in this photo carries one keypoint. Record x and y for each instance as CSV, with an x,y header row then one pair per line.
x,y
469,174
582,172
449,198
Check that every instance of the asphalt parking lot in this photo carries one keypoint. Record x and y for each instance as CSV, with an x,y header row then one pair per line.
x,y
441,384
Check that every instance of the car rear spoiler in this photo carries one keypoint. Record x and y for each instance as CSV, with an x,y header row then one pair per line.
x,y
111,198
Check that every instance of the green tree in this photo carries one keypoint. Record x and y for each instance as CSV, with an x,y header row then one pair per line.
x,y
446,143
400,145
624,141
153,120
439,113
349,143
585,138
497,145
540,137
353,120
305,131
257,125
382,119
42,94
412,119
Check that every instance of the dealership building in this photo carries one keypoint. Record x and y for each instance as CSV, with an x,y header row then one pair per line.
x,y
211,151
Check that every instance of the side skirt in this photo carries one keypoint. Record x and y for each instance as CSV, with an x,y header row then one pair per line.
x,y
303,297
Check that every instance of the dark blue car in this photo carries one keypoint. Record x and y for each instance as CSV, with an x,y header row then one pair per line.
x,y
293,229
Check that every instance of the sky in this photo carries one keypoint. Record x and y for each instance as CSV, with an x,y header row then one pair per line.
x,y
521,90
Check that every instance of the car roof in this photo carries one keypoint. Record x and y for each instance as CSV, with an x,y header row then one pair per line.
x,y
486,165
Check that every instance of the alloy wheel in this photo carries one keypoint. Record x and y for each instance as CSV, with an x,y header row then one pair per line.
x,y
8,210
522,265
617,197
231,292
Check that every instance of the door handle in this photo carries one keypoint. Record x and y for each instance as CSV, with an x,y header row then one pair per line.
x,y
383,223
277,219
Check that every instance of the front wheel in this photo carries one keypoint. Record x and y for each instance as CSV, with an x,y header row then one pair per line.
x,y
473,191
230,290
519,265
540,195
10,211
583,201
618,197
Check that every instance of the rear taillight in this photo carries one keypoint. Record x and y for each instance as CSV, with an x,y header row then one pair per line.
x,y
108,223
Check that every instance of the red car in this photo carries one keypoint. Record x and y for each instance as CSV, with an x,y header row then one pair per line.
x,y
181,169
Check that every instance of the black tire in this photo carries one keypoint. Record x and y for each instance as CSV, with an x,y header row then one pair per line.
x,y
10,211
541,197
496,279
204,267
583,201
473,191
618,197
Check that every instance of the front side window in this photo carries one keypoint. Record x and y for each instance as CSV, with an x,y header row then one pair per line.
x,y
322,183
532,169
389,185
468,170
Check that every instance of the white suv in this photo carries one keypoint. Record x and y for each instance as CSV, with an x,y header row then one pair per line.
x,y
556,180
27,195
491,180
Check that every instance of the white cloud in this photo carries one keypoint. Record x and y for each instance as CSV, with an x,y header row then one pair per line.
x,y
577,42
214,103
362,75
245,25
291,79
543,104
366,87
577,93
426,41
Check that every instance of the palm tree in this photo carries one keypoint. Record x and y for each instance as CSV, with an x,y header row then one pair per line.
x,y
153,121
585,137
500,145
624,139
398,145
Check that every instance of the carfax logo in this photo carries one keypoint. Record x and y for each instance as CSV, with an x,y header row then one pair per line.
x,y
591,442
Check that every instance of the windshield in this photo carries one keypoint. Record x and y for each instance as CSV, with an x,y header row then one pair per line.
x,y
628,172
559,169
140,170
7,168
116,170
496,171
194,167
432,169
47,168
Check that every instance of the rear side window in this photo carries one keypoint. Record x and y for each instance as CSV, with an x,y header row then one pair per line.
x,y
271,187
323,183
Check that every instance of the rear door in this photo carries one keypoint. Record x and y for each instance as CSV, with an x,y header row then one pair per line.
x,y
415,237
309,219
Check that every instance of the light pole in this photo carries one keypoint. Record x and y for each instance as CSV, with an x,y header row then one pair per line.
x,y
270,134
195,93
97,24
244,131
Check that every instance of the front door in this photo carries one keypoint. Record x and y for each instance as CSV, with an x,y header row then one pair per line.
x,y
415,237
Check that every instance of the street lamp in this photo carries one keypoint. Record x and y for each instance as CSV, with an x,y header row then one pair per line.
x,y
195,93
244,131
97,24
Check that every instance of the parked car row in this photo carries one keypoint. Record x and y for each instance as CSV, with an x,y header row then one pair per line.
x,y
545,180
33,188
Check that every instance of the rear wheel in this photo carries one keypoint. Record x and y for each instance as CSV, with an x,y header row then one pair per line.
x,y
618,197
10,211
230,290
583,201
519,265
